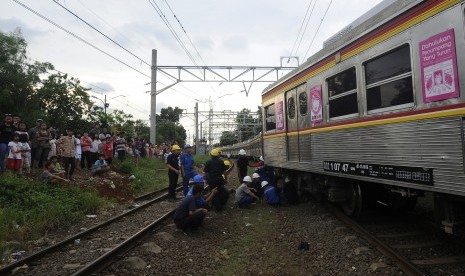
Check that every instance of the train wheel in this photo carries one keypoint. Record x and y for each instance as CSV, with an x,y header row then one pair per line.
x,y
353,204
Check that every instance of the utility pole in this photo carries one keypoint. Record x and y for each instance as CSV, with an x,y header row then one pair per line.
x,y
196,123
153,99
105,105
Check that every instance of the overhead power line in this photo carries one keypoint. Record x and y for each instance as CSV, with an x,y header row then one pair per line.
x,y
321,22
97,30
78,37
300,33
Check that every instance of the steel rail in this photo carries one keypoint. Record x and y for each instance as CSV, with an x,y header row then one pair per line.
x,y
8,269
108,258
404,264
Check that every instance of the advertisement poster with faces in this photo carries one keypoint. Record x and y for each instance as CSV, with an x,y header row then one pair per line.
x,y
316,104
279,116
439,67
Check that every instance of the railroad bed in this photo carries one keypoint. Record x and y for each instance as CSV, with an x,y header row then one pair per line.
x,y
306,239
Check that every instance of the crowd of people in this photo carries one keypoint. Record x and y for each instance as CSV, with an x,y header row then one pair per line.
x,y
198,201
44,148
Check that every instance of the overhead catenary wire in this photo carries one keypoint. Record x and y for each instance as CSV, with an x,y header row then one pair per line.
x,y
171,29
300,33
190,40
86,42
78,37
97,30
316,32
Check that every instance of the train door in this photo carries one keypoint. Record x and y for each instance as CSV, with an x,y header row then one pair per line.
x,y
292,126
303,123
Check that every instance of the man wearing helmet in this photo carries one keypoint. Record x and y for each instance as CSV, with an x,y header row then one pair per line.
x,y
187,167
242,164
214,169
172,163
202,202
244,194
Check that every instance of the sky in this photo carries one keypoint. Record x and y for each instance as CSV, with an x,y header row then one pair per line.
x,y
214,32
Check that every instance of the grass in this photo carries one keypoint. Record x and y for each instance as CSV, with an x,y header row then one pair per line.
x,y
151,174
28,208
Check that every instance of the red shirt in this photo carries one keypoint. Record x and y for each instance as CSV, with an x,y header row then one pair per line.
x,y
108,149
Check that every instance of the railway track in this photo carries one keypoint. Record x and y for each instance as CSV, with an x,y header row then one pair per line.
x,y
90,249
410,241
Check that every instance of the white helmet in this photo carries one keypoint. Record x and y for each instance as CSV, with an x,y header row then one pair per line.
x,y
241,152
255,175
264,183
287,179
247,179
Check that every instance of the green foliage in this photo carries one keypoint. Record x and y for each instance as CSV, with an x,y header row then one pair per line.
x,y
64,100
18,78
228,138
126,167
170,132
247,125
170,114
28,209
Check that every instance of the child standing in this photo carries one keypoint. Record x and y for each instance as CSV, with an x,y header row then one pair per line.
x,y
108,150
25,158
14,154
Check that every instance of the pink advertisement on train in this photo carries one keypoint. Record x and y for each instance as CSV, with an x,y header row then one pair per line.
x,y
439,67
316,105
279,116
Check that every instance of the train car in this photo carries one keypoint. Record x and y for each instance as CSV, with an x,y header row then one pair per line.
x,y
379,112
252,147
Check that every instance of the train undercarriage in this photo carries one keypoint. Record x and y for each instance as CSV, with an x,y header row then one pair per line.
x,y
354,196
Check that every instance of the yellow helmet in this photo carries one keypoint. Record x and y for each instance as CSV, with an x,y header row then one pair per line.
x,y
227,163
215,152
175,147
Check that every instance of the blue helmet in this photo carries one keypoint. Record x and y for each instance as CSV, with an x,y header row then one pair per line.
x,y
186,146
198,179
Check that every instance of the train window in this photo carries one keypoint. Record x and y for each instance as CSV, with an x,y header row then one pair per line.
x,y
342,93
270,118
303,103
291,108
389,79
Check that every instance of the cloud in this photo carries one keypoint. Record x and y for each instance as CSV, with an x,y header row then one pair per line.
x,y
236,43
101,87
11,24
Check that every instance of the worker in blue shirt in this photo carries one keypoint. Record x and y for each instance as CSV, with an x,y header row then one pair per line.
x,y
202,201
187,167
188,215
270,194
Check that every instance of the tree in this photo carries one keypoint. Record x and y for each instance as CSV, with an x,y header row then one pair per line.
x,y
228,138
170,132
63,100
18,79
246,125
170,114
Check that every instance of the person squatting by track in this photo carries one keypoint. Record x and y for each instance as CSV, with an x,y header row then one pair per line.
x,y
202,201
188,215
244,194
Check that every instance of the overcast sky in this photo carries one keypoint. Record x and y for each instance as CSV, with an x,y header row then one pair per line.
x,y
224,32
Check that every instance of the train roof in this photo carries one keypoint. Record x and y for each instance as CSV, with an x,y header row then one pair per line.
x,y
372,19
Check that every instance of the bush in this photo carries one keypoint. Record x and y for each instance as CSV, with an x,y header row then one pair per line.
x,y
28,209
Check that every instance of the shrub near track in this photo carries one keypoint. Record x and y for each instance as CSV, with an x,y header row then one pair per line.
x,y
28,208
150,173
